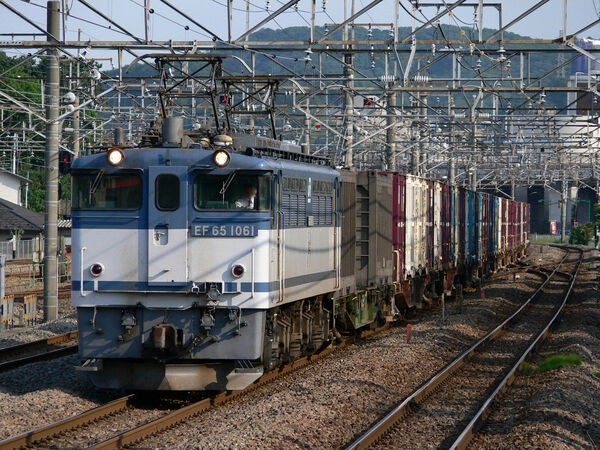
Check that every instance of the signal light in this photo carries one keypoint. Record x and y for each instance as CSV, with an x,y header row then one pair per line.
x,y
238,270
64,161
368,101
96,269
223,99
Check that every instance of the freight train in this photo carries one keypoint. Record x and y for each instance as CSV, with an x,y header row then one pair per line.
x,y
203,261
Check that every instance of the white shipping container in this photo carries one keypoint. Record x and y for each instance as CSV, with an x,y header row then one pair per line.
x,y
416,224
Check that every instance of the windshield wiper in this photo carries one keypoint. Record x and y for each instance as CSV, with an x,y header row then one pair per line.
x,y
96,183
227,183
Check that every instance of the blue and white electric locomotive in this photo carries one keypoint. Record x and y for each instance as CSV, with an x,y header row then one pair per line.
x,y
199,268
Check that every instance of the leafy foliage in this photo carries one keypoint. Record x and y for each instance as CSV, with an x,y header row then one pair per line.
x,y
582,234
22,79
37,191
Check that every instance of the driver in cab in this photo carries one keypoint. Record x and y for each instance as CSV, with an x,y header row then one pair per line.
x,y
248,200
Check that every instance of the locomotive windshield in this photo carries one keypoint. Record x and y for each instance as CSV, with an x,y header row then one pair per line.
x,y
99,190
233,191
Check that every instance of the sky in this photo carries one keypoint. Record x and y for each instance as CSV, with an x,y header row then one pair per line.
x,y
165,24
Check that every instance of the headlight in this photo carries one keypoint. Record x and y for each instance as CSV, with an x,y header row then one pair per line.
x,y
221,158
115,157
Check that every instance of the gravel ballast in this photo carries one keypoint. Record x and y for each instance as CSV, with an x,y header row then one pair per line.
x,y
324,405
20,335
559,408
329,403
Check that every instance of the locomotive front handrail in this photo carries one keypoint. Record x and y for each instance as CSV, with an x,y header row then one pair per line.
x,y
252,276
83,249
281,216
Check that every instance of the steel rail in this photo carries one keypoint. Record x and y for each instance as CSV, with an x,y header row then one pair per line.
x,y
385,423
30,438
136,434
42,353
469,431
156,426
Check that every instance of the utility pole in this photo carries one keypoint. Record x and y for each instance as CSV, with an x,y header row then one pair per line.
x,y
306,146
563,209
594,215
391,134
452,161
76,123
146,20
51,165
349,109
349,92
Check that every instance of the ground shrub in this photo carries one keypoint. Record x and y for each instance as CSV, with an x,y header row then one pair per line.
x,y
581,234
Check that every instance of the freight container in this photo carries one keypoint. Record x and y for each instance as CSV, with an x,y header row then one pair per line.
x,y
455,224
446,222
470,227
399,226
348,219
437,225
374,263
416,219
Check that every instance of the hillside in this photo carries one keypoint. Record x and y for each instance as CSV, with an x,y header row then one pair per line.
x,y
540,63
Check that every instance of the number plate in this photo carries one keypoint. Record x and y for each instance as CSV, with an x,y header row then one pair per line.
x,y
207,230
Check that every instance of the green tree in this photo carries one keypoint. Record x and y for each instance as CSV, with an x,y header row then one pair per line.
x,y
582,234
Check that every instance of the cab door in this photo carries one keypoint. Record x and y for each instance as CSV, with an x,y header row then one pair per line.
x,y
167,226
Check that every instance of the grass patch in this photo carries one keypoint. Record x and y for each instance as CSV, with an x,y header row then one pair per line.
x,y
553,362
597,374
526,367
544,239
556,361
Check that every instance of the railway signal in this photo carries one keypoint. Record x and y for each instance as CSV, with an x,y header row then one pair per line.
x,y
368,101
224,99
65,158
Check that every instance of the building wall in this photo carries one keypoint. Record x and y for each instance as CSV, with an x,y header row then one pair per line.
x,y
10,188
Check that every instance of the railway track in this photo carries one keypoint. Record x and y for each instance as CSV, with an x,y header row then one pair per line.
x,y
55,434
40,350
63,432
446,410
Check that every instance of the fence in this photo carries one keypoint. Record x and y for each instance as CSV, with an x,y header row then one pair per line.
x,y
7,311
26,278
23,249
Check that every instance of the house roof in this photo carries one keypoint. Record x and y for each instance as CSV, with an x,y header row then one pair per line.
x,y
20,177
13,217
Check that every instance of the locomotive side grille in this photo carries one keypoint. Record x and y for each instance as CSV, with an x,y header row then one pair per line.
x,y
294,209
323,210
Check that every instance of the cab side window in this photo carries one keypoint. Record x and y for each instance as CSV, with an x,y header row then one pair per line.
x,y
167,192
